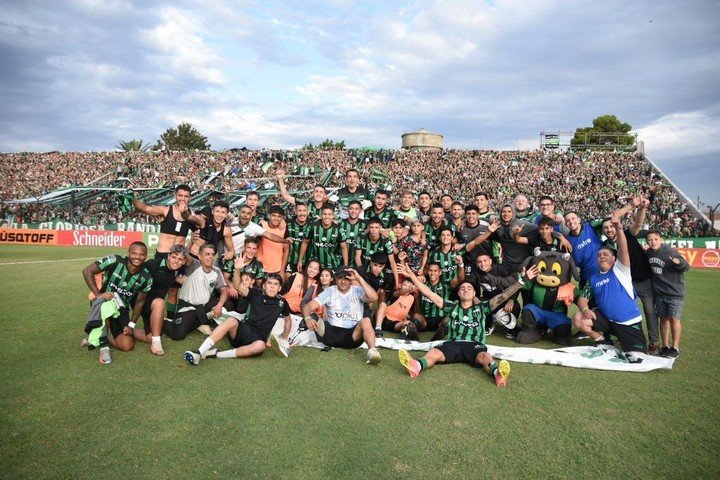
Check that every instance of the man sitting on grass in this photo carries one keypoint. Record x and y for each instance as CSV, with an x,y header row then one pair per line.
x,y
346,325
249,336
466,330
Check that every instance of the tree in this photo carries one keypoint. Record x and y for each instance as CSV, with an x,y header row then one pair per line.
x,y
183,137
327,144
132,146
607,132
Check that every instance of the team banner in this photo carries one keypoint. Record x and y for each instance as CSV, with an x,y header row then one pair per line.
x,y
24,236
65,225
701,257
594,358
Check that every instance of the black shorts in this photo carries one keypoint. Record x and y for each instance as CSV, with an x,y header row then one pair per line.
x,y
245,336
118,324
367,312
187,318
631,337
151,297
462,352
389,325
339,337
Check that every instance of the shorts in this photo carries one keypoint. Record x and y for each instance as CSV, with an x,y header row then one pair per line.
x,y
389,325
245,335
188,317
116,324
669,307
151,297
339,337
631,337
462,352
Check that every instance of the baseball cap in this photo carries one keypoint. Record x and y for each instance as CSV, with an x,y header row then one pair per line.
x,y
342,271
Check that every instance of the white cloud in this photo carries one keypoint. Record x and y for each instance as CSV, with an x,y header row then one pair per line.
x,y
678,135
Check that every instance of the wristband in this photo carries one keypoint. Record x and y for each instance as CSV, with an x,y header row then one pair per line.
x,y
131,325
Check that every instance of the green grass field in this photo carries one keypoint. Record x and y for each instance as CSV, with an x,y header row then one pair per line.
x,y
327,414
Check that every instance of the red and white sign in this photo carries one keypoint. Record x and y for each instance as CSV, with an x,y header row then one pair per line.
x,y
701,257
97,238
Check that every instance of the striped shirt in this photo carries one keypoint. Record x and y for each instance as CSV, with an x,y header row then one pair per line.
x,y
117,278
466,324
325,244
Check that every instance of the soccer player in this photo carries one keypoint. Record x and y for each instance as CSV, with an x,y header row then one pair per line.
x,y
326,241
319,197
482,201
380,209
213,229
456,212
124,287
353,226
616,312
298,228
346,325
373,242
432,227
195,297
446,201
351,191
547,239
249,337
466,332
252,199
668,280
250,265
471,229
447,257
639,265
244,227
166,273
424,205
175,220
429,316
406,211
274,255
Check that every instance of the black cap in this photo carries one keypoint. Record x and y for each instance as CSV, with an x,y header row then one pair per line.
x,y
342,271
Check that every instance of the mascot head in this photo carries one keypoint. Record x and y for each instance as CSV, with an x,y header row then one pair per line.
x,y
555,268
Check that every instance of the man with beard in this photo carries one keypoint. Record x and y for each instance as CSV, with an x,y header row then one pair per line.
x,y
316,202
503,232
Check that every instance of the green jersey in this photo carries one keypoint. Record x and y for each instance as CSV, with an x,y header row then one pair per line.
x,y
466,324
298,233
386,217
427,307
325,244
432,234
353,232
254,268
368,247
118,279
447,262
313,211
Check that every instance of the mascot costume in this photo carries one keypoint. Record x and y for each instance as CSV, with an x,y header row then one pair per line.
x,y
546,298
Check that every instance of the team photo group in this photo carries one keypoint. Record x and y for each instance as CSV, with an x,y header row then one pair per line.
x,y
356,265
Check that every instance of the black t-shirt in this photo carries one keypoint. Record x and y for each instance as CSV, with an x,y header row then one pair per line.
x,y
383,282
163,277
263,311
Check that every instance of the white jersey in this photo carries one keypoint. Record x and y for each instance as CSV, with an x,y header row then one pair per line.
x,y
344,310
200,284
239,233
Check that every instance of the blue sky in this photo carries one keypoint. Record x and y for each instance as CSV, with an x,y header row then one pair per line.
x,y
82,75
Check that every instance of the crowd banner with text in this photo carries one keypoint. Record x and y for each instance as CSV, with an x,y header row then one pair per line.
x,y
71,238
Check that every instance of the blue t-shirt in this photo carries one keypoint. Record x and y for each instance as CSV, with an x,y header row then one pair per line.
x,y
614,295
585,250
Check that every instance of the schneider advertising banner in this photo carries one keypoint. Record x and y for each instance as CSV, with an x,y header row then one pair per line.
x,y
70,238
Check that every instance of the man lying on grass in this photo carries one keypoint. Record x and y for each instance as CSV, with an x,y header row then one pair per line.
x,y
465,327
249,336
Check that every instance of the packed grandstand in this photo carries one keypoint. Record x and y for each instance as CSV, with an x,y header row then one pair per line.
x,y
590,183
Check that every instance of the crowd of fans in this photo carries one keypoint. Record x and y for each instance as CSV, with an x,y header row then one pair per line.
x,y
586,182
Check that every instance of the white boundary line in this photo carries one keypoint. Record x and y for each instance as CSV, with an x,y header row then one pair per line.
x,y
48,261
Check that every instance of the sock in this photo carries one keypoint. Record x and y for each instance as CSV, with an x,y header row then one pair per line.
x,y
493,368
156,340
227,354
423,363
206,345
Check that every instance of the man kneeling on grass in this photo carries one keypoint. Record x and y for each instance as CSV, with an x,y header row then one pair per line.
x,y
346,327
249,337
466,330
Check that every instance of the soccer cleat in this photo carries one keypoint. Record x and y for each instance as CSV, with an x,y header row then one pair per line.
x,y
672,353
205,330
84,342
373,356
378,332
281,347
409,332
502,373
411,365
320,330
192,357
105,358
157,349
